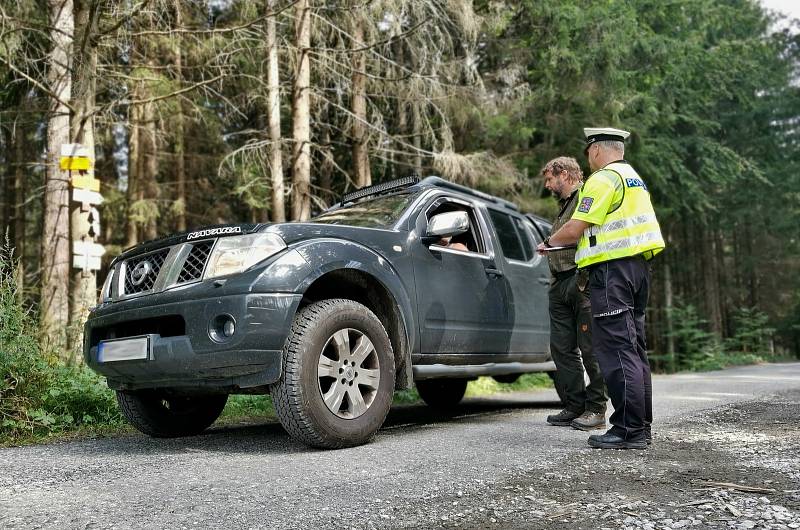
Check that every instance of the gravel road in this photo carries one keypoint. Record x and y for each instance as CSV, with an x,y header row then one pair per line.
x,y
495,464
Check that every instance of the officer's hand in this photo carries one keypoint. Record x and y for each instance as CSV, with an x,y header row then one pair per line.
x,y
541,249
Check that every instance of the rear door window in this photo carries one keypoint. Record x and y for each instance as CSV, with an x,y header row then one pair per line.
x,y
507,233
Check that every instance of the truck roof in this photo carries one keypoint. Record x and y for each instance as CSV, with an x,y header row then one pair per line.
x,y
413,183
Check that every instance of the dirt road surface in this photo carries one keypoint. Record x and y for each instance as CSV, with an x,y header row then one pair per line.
x,y
726,455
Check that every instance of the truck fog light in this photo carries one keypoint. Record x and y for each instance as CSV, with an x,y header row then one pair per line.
x,y
222,328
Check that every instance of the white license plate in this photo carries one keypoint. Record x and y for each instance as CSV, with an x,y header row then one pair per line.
x,y
123,349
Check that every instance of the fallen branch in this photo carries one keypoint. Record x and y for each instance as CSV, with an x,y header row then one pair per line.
x,y
695,503
740,487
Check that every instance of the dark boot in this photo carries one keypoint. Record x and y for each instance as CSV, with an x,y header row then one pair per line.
x,y
612,441
589,421
563,418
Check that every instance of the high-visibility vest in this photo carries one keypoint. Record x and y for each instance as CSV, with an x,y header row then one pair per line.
x,y
630,228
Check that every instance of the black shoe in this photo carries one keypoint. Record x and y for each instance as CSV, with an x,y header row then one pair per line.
x,y
589,421
648,435
563,418
612,441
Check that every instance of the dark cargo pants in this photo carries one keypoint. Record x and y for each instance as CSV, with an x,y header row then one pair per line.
x,y
618,293
571,348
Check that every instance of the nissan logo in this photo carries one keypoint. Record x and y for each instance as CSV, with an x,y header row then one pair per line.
x,y
140,272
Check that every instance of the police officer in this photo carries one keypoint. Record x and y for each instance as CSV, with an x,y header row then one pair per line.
x,y
617,234
571,314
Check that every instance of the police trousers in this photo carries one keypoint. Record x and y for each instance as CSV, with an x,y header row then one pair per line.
x,y
618,292
571,348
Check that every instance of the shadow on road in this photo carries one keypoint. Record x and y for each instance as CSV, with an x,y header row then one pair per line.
x,y
269,436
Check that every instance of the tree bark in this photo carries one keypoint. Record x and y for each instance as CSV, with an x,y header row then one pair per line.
x,y
710,279
274,118
180,161
416,125
19,197
326,167
83,289
668,304
132,193
54,302
358,105
301,115
6,185
150,152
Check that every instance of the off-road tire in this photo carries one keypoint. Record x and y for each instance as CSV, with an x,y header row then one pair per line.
x,y
443,394
163,416
297,396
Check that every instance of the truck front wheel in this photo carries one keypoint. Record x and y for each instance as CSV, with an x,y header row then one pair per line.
x,y
162,415
338,375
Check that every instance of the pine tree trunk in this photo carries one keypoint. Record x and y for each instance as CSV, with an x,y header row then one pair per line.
x,y
180,161
326,167
361,167
83,290
132,193
19,197
54,302
416,126
401,110
274,118
668,305
6,185
710,278
722,281
150,152
301,115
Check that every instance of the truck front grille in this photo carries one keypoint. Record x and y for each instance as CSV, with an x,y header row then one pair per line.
x,y
196,261
141,272
161,269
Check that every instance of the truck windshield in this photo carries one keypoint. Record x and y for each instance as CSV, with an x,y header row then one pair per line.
x,y
381,212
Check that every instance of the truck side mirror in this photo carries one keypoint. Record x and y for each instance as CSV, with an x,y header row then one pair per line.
x,y
447,224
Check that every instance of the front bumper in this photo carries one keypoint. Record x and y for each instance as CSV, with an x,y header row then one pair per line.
x,y
183,353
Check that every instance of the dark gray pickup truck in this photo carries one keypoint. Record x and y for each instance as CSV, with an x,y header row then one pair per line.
x,y
406,282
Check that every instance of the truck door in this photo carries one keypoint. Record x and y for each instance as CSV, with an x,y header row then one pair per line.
x,y
461,295
528,278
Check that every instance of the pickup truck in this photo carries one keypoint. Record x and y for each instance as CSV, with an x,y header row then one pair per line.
x,y
404,283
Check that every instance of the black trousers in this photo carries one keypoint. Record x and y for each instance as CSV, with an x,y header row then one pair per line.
x,y
571,347
618,291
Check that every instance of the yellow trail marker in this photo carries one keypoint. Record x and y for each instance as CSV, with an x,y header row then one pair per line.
x,y
85,182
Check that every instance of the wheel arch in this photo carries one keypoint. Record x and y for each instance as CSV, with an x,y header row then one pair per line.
x,y
366,289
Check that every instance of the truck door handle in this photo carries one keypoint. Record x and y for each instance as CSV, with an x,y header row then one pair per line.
x,y
492,272
544,280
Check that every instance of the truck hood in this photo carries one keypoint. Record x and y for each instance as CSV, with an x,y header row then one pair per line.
x,y
223,230
290,232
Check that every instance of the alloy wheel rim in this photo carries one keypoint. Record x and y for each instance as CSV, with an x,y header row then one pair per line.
x,y
348,373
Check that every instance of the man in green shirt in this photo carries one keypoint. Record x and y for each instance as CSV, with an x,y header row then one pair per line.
x,y
571,314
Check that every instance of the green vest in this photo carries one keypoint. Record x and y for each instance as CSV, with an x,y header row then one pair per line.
x,y
630,228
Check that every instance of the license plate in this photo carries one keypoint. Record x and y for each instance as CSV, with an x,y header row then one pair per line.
x,y
129,349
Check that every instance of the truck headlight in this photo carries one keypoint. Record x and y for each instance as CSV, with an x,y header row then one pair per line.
x,y
236,254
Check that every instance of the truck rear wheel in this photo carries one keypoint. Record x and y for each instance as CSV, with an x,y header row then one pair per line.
x,y
338,375
442,393
161,415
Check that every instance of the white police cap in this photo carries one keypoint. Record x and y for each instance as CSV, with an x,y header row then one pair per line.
x,y
598,134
